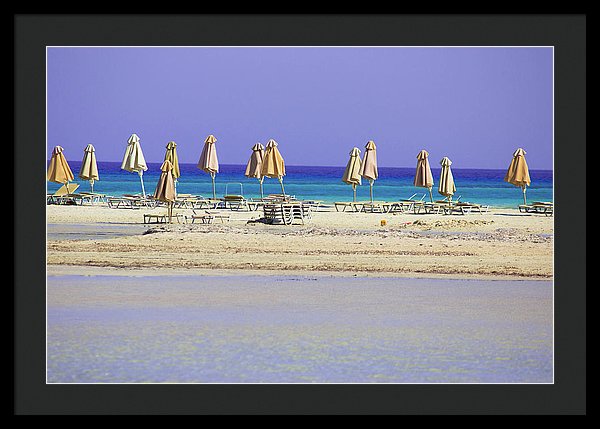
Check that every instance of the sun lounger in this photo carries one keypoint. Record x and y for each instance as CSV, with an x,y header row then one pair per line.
x,y
62,195
123,203
274,213
402,206
287,213
542,207
161,217
465,208
235,202
277,198
255,204
207,217
343,205
185,201
373,207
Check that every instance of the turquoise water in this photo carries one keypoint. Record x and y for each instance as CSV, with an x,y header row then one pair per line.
x,y
322,183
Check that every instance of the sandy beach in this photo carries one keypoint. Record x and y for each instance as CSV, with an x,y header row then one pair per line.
x,y
341,299
500,244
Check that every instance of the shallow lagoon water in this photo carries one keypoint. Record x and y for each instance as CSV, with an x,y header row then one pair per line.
x,y
297,329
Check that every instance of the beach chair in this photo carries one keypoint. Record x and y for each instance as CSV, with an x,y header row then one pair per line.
x,y
63,195
207,216
162,217
235,202
541,207
465,208
279,198
373,207
93,197
343,205
436,207
123,203
275,213
300,211
255,204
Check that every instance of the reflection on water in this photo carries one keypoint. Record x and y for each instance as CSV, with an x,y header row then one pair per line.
x,y
269,329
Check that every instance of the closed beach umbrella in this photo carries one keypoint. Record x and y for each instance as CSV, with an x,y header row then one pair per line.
x,y
254,166
352,172
273,165
518,172
368,169
208,160
446,187
165,189
89,166
171,155
59,170
423,176
134,161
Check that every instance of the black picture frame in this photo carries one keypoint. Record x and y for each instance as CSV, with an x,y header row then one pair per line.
x,y
33,32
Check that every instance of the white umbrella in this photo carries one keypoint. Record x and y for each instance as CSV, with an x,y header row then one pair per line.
x,y
134,161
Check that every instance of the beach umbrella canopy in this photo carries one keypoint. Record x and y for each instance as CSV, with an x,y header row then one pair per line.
x,y
208,160
273,165
133,160
254,166
368,169
89,166
423,176
165,189
352,173
59,170
518,172
171,155
446,187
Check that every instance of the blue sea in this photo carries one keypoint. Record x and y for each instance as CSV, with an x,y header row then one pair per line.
x,y
322,183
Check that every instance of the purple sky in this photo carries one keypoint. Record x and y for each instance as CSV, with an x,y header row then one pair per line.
x,y
474,105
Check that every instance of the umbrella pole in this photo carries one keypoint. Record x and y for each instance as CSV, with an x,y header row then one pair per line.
x,y
260,182
371,189
141,173
524,197
430,195
92,185
170,212
212,175
281,183
354,192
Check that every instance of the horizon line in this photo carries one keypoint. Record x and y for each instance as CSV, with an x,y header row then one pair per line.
x,y
332,166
